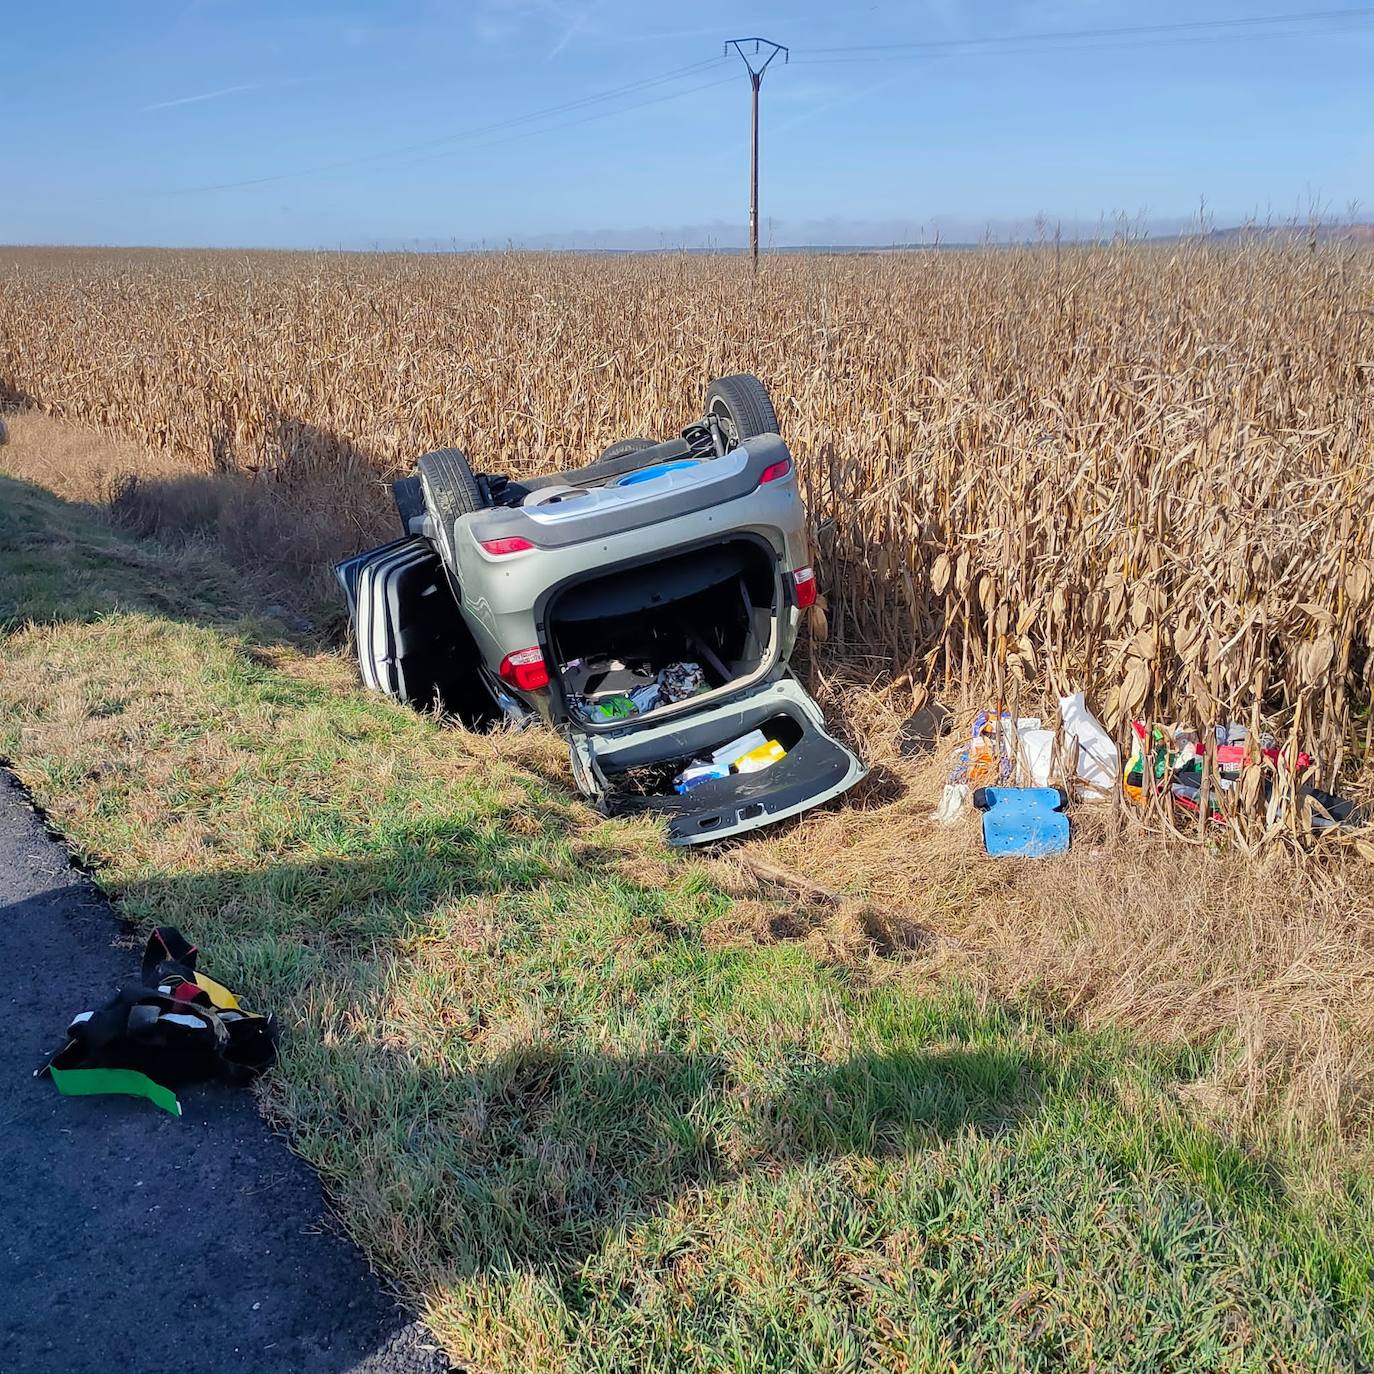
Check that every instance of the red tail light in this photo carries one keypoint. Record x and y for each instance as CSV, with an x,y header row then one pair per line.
x,y
804,583
502,547
776,470
525,669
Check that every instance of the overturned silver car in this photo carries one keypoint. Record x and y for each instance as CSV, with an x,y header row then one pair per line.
x,y
646,605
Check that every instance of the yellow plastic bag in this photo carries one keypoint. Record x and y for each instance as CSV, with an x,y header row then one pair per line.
x,y
765,756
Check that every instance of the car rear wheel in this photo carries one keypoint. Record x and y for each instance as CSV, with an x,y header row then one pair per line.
x,y
450,490
741,408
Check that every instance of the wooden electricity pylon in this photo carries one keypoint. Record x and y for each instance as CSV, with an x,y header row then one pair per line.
x,y
756,71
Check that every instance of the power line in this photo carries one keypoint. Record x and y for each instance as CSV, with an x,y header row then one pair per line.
x,y
1188,30
573,123
1049,37
1009,47
466,135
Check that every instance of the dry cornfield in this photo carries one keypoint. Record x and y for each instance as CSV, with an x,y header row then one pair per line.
x,y
1144,470
587,1101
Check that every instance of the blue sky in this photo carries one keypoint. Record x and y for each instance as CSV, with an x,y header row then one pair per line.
x,y
359,124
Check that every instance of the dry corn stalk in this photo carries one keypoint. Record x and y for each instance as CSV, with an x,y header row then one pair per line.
x,y
1144,471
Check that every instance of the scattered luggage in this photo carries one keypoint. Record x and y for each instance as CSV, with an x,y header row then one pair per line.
x,y
756,760
698,773
610,689
728,753
955,799
175,1026
1099,763
679,681
1034,752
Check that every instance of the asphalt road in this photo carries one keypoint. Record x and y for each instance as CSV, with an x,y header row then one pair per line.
x,y
136,1241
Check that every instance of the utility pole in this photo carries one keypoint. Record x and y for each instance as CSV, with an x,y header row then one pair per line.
x,y
756,71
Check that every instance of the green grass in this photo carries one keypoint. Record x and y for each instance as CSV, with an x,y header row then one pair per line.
x,y
581,1134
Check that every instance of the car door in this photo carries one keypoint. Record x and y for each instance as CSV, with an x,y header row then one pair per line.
x,y
412,641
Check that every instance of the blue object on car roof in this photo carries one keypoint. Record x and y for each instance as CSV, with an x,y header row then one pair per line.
x,y
1023,821
658,470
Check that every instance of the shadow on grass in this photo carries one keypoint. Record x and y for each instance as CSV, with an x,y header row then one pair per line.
x,y
277,521
63,562
453,1154
527,1159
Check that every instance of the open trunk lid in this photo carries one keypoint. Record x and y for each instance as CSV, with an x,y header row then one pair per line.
x,y
631,770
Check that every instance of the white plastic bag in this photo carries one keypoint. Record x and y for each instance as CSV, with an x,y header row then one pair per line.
x,y
737,748
1099,764
1034,752
954,801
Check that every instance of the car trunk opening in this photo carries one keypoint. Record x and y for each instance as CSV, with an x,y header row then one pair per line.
x,y
647,638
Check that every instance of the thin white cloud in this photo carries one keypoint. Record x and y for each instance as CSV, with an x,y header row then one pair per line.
x,y
196,99
577,21
850,97
567,38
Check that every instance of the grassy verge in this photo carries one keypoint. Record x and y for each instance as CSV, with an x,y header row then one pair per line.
x,y
580,1132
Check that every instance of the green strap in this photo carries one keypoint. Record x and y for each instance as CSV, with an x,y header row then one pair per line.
x,y
128,1082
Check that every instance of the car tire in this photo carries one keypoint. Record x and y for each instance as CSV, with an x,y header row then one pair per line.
x,y
621,448
741,405
450,490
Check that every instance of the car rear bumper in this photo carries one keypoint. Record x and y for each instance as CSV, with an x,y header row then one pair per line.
x,y
611,511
